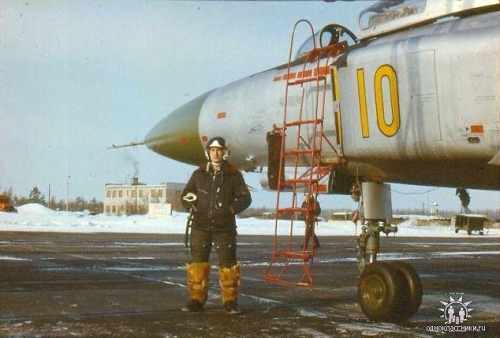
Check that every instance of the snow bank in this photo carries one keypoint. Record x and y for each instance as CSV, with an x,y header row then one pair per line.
x,y
34,208
35,217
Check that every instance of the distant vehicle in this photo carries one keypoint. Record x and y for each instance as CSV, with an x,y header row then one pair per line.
x,y
6,204
469,223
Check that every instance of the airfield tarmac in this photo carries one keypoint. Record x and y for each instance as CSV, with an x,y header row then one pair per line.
x,y
133,285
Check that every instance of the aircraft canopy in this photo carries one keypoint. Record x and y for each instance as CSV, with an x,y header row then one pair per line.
x,y
386,16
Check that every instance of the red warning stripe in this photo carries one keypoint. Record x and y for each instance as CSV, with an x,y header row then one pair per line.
x,y
325,70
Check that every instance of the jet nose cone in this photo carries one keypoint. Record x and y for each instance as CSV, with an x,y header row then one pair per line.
x,y
177,136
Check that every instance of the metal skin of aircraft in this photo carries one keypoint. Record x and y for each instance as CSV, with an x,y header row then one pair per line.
x,y
442,129
414,100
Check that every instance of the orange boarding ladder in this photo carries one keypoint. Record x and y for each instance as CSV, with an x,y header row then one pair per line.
x,y
301,148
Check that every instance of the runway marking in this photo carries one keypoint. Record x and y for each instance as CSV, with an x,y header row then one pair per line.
x,y
10,258
465,253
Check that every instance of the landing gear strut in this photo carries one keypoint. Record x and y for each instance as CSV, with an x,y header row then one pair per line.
x,y
369,241
386,292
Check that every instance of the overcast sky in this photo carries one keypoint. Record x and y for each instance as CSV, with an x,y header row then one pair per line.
x,y
78,76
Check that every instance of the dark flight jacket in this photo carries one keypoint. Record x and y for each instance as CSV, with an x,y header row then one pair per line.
x,y
220,197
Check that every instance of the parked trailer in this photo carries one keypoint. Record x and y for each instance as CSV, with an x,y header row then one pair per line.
x,y
469,223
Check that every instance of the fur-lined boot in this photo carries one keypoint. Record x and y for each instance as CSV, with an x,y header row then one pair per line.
x,y
230,279
198,281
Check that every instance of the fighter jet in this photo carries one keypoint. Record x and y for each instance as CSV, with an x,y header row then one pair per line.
x,y
414,99
418,100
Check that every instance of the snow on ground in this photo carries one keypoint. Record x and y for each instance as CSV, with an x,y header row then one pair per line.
x,y
35,217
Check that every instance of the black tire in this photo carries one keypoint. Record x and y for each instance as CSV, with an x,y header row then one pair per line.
x,y
415,289
382,292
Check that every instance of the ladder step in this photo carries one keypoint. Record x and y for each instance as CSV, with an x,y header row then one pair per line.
x,y
291,210
271,278
301,152
303,122
303,255
298,181
306,79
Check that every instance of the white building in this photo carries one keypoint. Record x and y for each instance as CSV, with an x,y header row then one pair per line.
x,y
135,198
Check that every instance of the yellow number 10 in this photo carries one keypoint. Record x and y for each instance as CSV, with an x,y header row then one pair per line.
x,y
387,73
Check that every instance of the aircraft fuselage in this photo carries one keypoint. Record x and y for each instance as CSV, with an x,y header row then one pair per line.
x,y
420,106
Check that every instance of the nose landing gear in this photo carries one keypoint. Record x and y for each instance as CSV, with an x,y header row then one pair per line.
x,y
386,292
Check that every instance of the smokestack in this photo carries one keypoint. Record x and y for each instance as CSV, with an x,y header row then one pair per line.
x,y
136,168
135,178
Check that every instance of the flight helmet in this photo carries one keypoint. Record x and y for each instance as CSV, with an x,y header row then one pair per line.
x,y
216,142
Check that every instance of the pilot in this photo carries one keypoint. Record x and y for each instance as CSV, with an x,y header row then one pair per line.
x,y
310,218
216,192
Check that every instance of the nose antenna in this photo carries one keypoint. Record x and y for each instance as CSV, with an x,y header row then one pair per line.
x,y
126,145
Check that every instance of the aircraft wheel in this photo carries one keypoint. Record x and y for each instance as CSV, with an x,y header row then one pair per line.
x,y
382,292
415,289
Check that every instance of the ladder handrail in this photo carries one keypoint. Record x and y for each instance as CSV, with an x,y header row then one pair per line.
x,y
309,147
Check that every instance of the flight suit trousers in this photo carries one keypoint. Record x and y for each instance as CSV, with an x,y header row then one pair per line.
x,y
225,245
